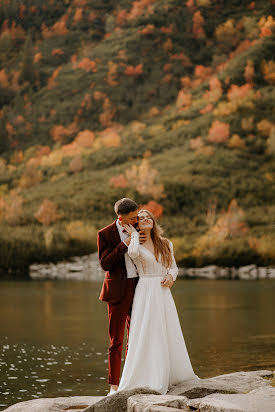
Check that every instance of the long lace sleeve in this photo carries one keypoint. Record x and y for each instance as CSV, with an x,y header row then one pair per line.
x,y
173,270
133,248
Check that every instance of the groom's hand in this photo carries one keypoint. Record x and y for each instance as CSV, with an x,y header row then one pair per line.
x,y
142,237
168,281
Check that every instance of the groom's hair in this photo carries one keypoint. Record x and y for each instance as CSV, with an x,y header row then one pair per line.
x,y
125,206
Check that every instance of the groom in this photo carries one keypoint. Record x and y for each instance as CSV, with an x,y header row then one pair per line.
x,y
120,281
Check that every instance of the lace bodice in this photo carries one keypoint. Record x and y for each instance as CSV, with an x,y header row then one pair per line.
x,y
145,261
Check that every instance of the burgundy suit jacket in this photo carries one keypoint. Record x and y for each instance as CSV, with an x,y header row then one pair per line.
x,y
111,251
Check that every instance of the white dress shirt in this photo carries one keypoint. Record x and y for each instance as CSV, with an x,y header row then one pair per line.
x,y
130,267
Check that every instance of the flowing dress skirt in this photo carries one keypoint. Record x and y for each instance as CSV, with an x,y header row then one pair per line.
x,y
157,355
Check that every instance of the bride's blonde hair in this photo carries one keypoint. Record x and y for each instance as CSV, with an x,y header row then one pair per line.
x,y
161,244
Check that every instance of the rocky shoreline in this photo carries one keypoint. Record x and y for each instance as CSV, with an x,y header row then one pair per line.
x,y
87,268
252,391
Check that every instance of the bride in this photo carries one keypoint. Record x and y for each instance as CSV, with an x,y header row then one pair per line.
x,y
157,355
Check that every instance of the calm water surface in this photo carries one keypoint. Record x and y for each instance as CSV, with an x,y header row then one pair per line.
x,y
54,334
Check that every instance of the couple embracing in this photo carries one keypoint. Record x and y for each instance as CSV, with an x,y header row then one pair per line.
x,y
140,270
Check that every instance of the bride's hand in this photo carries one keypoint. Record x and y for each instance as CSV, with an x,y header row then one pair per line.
x,y
129,229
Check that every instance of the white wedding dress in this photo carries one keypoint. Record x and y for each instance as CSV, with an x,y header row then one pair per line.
x,y
157,355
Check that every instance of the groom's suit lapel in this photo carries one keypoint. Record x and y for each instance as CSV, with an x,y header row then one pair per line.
x,y
115,235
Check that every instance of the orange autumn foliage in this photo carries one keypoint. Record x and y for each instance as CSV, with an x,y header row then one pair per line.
x,y
139,7
149,29
215,91
60,133
198,21
167,30
183,100
168,45
77,16
118,181
85,138
134,71
218,132
207,109
249,72
268,71
46,213
181,56
109,111
227,225
57,52
236,142
51,80
87,65
4,81
154,208
143,179
236,93
58,29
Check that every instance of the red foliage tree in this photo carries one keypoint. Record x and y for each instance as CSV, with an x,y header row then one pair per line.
x,y
134,71
218,132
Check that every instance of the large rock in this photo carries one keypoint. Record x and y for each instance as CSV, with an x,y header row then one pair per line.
x,y
232,392
70,403
118,401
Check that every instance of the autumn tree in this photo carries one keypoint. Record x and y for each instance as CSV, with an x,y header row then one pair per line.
x,y
46,213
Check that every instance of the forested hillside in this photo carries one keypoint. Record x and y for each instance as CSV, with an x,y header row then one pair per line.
x,y
167,102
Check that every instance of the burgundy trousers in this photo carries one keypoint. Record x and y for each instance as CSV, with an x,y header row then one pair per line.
x,y
119,315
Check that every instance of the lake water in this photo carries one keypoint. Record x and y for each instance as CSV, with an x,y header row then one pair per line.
x,y
54,335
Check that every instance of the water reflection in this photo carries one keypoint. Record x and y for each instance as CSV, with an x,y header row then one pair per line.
x,y
54,335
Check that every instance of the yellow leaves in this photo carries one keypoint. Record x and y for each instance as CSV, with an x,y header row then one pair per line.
x,y
48,237
58,29
264,127
11,208
227,225
155,130
269,177
4,82
17,157
236,142
137,127
112,73
31,177
110,137
47,214
267,26
81,231
142,178
227,32
268,71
